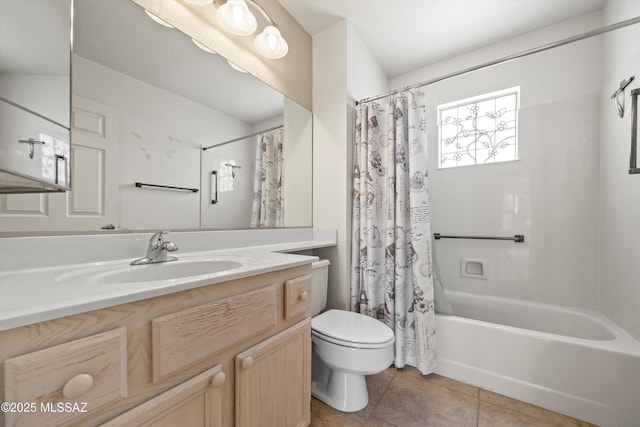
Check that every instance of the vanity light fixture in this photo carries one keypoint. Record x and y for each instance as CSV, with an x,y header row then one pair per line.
x,y
199,2
271,44
158,20
235,17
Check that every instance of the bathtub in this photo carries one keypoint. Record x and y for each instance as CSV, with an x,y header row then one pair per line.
x,y
576,362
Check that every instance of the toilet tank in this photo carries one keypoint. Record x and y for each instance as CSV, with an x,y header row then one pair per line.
x,y
319,280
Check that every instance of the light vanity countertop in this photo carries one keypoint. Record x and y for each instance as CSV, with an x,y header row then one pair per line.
x,y
30,295
36,295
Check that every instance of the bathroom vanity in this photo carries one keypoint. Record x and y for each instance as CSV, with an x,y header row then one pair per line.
x,y
235,352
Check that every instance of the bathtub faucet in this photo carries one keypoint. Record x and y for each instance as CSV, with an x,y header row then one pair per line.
x,y
157,250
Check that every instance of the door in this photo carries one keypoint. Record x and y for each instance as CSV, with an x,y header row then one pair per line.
x,y
273,380
93,201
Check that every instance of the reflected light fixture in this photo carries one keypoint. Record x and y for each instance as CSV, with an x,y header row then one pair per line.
x,y
158,20
235,67
203,47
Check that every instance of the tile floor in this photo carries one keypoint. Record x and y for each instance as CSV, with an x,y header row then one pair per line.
x,y
404,398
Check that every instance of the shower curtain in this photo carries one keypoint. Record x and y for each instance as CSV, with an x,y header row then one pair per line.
x,y
267,210
391,266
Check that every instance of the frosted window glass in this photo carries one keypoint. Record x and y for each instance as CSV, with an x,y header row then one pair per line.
x,y
479,130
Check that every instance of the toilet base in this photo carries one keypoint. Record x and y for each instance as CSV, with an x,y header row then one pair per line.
x,y
341,390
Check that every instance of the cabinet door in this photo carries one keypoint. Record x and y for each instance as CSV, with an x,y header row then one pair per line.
x,y
194,403
273,380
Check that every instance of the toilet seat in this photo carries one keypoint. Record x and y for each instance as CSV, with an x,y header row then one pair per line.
x,y
351,329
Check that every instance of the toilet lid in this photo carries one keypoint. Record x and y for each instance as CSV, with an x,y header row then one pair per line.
x,y
351,327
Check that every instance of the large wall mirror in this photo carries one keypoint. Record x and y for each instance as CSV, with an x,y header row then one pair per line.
x,y
146,100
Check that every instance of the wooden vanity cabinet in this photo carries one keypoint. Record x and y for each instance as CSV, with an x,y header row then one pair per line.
x,y
236,353
195,403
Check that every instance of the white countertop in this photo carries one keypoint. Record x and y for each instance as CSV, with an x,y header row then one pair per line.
x,y
36,295
44,291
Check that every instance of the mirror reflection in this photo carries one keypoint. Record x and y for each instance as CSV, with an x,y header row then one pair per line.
x,y
35,49
146,100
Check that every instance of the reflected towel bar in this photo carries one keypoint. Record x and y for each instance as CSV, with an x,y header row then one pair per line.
x,y
140,185
633,158
518,238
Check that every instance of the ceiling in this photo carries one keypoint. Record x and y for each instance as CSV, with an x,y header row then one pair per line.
x,y
404,35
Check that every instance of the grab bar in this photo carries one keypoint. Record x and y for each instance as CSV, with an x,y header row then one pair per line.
x,y
518,238
140,184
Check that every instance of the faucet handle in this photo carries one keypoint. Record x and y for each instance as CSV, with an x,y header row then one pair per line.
x,y
170,247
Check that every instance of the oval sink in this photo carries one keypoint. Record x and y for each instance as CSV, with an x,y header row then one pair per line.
x,y
172,270
167,271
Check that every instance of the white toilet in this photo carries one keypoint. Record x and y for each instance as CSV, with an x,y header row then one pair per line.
x,y
346,346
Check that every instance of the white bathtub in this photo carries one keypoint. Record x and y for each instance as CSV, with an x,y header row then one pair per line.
x,y
575,362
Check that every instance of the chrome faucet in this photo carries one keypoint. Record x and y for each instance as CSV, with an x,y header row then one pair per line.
x,y
157,250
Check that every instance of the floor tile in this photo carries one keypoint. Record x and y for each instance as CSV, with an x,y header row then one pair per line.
x,y
377,385
410,400
490,415
536,412
454,385
377,422
323,415
405,398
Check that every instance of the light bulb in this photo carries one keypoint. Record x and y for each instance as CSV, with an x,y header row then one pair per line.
x,y
237,13
235,17
271,44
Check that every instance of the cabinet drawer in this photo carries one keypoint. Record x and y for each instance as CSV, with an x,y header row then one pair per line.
x,y
297,297
39,378
186,337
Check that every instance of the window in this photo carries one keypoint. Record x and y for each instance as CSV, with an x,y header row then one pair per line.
x,y
479,130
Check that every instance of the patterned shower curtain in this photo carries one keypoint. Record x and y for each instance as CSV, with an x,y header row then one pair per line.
x,y
268,181
391,266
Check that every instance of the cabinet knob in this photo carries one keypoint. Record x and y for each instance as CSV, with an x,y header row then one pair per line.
x,y
77,386
247,363
304,296
218,379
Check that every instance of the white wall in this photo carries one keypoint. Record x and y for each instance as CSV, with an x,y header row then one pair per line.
x,y
336,49
551,195
620,203
160,138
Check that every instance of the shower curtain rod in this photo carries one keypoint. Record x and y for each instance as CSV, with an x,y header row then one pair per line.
x,y
242,137
504,59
